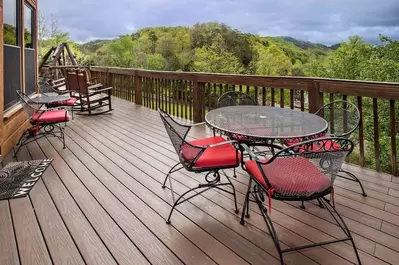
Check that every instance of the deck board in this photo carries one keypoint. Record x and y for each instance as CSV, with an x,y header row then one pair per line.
x,y
101,202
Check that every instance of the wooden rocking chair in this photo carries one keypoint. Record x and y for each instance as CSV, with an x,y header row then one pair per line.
x,y
91,97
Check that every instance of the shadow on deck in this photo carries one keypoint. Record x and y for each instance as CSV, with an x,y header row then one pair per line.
x,y
101,202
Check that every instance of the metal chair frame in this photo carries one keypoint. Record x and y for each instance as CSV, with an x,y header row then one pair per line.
x,y
47,89
235,98
42,129
346,106
212,177
258,192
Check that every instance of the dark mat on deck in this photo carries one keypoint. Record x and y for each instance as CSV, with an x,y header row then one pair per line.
x,y
18,178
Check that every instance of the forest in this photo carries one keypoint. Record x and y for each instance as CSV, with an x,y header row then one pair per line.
x,y
218,48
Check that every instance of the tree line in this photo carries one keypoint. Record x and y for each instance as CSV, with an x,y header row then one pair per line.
x,y
218,48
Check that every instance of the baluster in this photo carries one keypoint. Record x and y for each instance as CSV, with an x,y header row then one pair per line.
x,y
302,100
361,134
186,105
256,94
272,96
264,96
209,96
292,106
376,135
394,161
215,96
281,97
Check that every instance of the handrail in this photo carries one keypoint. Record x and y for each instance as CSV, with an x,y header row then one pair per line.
x,y
190,95
374,89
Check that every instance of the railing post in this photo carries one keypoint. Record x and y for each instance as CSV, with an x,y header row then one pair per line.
x,y
198,101
110,79
315,96
138,98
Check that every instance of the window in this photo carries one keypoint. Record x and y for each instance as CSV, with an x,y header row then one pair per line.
x,y
10,22
30,53
29,26
11,52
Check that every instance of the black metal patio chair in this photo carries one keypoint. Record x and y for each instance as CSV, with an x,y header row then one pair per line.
x,y
235,98
43,122
210,155
301,172
343,119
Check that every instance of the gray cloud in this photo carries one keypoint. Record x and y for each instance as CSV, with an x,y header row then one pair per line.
x,y
327,21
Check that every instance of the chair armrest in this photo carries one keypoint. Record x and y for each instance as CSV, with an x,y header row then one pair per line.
x,y
58,85
220,144
100,90
58,80
95,86
250,152
197,124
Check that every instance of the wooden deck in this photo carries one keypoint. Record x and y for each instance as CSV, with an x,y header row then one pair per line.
x,y
101,202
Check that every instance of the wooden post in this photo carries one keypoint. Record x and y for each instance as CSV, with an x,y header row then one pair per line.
x,y
315,96
138,98
110,79
198,101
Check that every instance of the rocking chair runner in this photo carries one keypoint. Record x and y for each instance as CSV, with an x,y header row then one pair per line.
x,y
301,172
44,122
209,155
91,97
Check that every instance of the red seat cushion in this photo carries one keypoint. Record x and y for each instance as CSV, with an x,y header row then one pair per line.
x,y
50,116
212,157
292,176
69,102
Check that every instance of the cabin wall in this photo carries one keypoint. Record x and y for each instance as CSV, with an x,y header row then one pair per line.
x,y
13,120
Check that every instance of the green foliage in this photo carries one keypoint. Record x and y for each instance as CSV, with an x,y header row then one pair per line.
x,y
214,47
10,34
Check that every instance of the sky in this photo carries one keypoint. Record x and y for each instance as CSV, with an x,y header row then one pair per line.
x,y
322,21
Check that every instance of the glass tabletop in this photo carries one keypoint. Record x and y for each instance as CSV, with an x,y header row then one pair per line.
x,y
266,122
46,99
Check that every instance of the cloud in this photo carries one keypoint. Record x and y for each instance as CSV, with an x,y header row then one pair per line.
x,y
327,21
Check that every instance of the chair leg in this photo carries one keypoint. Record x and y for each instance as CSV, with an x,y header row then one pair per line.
x,y
172,170
326,204
211,184
352,177
234,194
245,208
62,137
302,206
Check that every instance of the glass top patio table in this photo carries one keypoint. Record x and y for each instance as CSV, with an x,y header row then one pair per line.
x,y
47,99
260,123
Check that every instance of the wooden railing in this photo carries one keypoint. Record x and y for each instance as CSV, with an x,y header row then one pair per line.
x,y
191,95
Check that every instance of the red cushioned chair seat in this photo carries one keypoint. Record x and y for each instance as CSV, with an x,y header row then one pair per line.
x,y
69,102
51,116
293,176
212,157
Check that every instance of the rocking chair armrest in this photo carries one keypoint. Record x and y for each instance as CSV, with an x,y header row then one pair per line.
x,y
95,86
101,90
251,153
